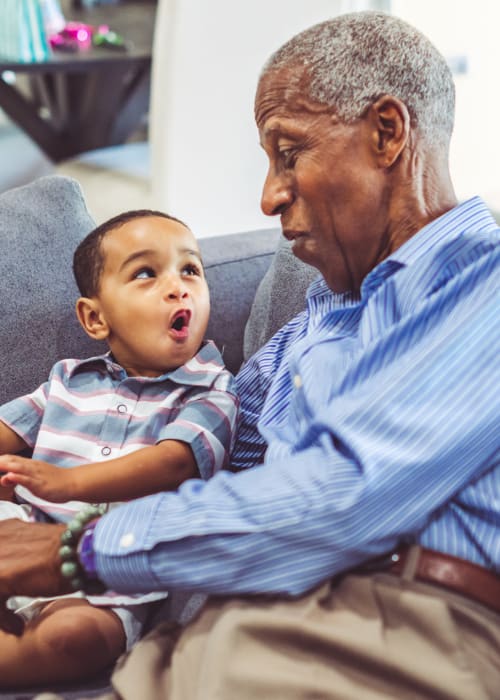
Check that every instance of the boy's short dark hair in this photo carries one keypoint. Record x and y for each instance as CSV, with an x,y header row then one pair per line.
x,y
88,259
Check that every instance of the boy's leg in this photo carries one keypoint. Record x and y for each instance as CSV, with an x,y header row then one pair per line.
x,y
69,641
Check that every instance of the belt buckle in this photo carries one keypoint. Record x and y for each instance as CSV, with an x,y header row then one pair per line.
x,y
381,563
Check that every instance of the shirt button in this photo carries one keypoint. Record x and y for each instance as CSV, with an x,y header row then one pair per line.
x,y
121,408
106,451
297,381
127,540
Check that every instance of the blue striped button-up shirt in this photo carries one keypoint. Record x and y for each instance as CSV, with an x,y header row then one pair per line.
x,y
382,425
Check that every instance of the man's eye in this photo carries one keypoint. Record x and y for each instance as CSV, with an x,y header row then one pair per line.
x,y
191,270
144,273
288,156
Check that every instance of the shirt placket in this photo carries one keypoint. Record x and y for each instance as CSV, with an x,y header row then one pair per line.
x,y
121,407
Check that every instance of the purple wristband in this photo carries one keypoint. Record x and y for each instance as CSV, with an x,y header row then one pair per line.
x,y
86,553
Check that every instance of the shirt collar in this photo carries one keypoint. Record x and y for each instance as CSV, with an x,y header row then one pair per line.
x,y
472,214
198,371
318,292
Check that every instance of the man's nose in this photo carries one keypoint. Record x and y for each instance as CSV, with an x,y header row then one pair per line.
x,y
276,194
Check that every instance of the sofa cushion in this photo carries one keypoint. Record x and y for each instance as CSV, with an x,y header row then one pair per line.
x,y
234,266
280,296
40,226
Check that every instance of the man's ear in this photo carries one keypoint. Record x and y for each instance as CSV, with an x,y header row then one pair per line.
x,y
91,318
391,128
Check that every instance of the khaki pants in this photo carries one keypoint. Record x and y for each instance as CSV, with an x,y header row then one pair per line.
x,y
366,637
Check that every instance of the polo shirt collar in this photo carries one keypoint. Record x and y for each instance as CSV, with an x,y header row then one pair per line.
x,y
198,371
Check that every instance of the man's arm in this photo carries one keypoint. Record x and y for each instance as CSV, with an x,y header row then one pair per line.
x,y
161,467
29,565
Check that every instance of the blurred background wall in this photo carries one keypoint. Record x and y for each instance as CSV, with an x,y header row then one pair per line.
x,y
201,159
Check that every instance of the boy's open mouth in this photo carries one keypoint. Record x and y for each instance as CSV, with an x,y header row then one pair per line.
x,y
180,320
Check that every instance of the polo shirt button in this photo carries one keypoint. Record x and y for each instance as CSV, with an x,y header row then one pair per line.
x,y
297,381
127,540
121,408
106,451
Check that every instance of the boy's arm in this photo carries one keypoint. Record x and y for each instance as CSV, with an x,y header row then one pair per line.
x,y
160,467
9,442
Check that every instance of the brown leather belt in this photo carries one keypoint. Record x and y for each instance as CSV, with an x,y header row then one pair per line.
x,y
457,575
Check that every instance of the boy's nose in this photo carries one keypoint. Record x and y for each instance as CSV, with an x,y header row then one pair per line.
x,y
175,289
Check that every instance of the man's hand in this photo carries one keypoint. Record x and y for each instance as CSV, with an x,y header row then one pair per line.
x,y
41,478
29,564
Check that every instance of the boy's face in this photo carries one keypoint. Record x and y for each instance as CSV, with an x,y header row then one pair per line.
x,y
153,297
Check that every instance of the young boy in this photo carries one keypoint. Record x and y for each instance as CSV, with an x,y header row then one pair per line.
x,y
157,409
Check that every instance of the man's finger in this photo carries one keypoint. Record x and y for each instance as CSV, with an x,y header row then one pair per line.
x,y
10,622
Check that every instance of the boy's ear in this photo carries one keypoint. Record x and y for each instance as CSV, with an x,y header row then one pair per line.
x,y
91,318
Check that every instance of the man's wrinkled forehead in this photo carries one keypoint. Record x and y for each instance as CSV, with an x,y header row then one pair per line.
x,y
284,92
277,91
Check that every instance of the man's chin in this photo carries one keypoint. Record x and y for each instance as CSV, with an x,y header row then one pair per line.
x,y
302,249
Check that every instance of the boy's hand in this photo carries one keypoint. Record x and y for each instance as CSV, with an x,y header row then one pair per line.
x,y
6,492
41,478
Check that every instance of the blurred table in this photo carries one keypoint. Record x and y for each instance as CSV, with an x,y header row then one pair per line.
x,y
76,102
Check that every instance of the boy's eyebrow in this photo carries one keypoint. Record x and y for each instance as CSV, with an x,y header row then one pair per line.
x,y
190,251
134,256
148,251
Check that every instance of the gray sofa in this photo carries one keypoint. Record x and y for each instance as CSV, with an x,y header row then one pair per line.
x,y
256,285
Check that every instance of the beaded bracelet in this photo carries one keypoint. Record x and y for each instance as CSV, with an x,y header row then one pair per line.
x,y
71,567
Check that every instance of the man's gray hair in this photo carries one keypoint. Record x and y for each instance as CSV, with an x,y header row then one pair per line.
x,y
353,59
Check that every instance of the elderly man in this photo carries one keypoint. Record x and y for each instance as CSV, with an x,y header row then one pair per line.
x,y
361,560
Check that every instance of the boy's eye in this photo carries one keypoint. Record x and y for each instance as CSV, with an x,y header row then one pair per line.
x,y
144,273
191,269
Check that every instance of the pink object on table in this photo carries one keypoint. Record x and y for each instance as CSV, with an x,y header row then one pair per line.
x,y
75,36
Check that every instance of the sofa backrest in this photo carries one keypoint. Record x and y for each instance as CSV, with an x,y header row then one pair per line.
x,y
235,265
40,226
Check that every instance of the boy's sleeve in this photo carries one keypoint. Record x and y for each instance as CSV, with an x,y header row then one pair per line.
x,y
24,414
207,423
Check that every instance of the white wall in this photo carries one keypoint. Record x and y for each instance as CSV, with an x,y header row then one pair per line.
x,y
207,165
468,30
